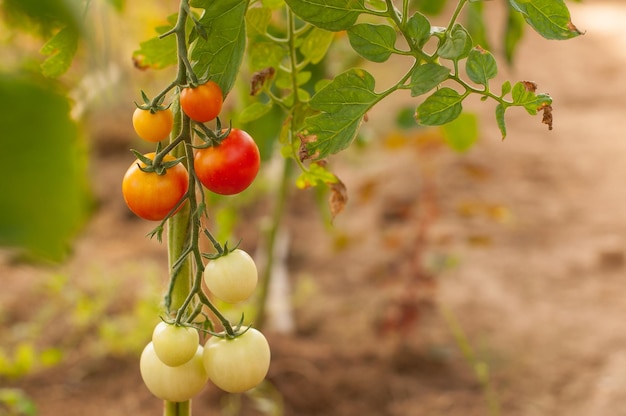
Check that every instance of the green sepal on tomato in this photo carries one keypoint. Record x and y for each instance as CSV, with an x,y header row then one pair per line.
x,y
152,196
229,167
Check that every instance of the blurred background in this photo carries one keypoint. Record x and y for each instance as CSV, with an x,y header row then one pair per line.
x,y
486,280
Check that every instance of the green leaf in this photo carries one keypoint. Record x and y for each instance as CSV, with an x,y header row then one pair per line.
x,y
265,55
333,15
315,175
254,111
426,77
157,53
550,18
343,103
440,108
258,19
506,88
461,133
418,28
456,45
513,33
44,199
500,109
61,48
373,42
481,66
430,7
476,26
524,95
222,53
315,44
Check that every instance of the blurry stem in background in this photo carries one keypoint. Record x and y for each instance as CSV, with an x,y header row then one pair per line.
x,y
272,233
480,367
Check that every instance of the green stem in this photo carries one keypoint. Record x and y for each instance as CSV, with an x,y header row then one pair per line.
x,y
480,367
178,236
455,15
278,215
177,408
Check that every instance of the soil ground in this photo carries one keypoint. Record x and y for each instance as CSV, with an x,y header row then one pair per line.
x,y
519,244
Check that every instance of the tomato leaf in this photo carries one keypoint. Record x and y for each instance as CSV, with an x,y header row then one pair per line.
x,y
222,53
443,106
418,28
461,133
524,95
373,42
343,103
426,77
61,48
476,26
315,44
550,18
317,174
513,33
333,15
500,109
157,53
44,199
456,45
254,111
481,66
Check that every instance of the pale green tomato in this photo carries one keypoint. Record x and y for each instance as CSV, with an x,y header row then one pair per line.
x,y
175,384
175,345
233,277
237,365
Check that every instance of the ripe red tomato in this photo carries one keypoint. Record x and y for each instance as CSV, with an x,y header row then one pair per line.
x,y
151,196
229,167
202,103
153,127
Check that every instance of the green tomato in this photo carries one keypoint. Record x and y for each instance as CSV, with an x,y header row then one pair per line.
x,y
175,345
239,364
233,277
175,384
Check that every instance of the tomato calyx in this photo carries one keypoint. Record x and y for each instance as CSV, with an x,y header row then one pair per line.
x,y
152,105
211,137
221,250
156,165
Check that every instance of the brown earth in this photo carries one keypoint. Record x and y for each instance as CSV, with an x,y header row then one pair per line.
x,y
520,243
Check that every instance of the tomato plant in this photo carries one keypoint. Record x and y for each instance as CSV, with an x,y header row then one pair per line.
x,y
229,167
174,344
311,118
237,364
231,277
176,384
151,195
202,103
153,126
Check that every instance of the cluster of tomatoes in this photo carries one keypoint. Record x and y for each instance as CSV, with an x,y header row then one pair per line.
x,y
226,167
175,366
